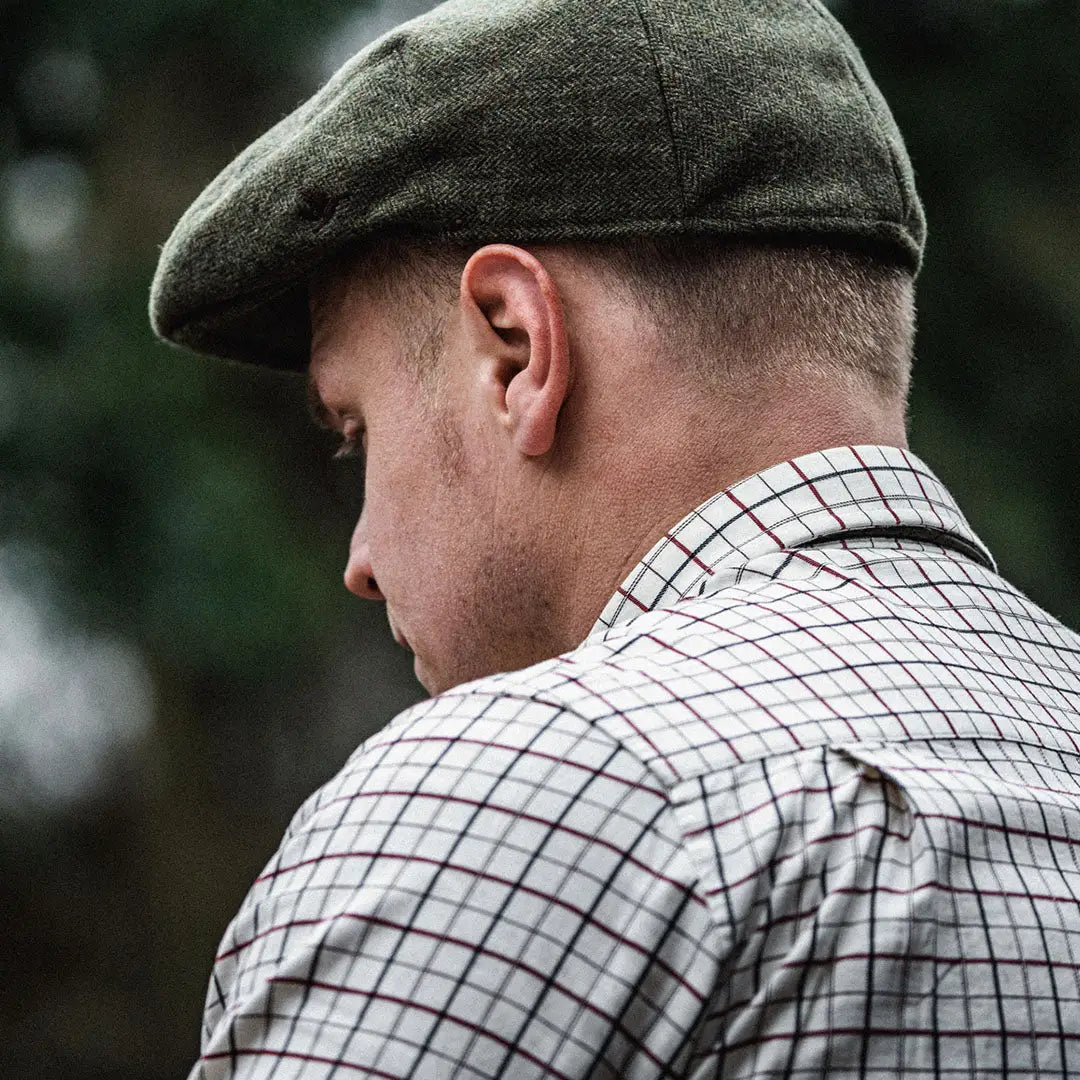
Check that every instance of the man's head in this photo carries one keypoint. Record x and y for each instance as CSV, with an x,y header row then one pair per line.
x,y
573,265
534,419
547,122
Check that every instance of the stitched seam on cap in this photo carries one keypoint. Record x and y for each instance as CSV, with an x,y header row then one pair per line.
x,y
667,106
831,29
405,87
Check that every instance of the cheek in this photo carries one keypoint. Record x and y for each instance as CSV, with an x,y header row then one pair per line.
x,y
408,523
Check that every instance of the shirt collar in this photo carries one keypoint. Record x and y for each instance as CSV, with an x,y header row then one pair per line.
x,y
826,495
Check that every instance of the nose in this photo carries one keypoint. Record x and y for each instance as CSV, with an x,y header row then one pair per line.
x,y
359,577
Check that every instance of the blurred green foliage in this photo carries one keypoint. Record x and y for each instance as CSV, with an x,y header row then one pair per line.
x,y
987,95
185,509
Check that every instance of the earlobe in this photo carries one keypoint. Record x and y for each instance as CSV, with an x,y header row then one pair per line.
x,y
532,410
517,317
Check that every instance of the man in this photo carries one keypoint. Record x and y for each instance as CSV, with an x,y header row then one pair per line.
x,y
742,759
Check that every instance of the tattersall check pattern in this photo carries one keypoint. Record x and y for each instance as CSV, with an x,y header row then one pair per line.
x,y
805,804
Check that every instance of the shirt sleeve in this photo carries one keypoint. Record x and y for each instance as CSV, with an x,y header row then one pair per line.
x,y
490,888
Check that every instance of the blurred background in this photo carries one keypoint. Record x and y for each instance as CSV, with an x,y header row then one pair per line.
x,y
179,663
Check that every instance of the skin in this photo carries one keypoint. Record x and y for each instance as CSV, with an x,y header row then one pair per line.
x,y
506,505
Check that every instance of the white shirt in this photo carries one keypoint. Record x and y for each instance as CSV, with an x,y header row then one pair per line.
x,y
806,802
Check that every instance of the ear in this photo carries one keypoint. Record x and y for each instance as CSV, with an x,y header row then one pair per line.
x,y
514,317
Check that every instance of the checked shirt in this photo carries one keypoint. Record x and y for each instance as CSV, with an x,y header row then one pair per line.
x,y
806,803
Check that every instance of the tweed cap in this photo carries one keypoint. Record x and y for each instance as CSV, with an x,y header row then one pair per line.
x,y
543,121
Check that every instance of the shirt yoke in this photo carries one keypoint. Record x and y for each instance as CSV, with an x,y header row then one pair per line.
x,y
872,641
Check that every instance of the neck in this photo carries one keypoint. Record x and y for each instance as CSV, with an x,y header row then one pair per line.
x,y
640,474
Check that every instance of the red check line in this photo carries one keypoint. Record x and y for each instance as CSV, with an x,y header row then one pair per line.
x,y
917,473
510,961
871,473
442,864
294,1055
442,1014
930,958
779,860
529,752
643,735
898,1032
633,599
750,811
509,811
929,770
810,484
690,555
755,519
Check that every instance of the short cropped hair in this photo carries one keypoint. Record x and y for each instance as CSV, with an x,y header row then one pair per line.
x,y
721,310
728,310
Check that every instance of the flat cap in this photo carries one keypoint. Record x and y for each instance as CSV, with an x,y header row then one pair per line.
x,y
543,121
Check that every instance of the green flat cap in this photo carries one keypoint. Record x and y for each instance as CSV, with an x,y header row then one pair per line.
x,y
545,120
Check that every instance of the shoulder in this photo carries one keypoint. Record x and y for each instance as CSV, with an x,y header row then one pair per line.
x,y
511,745
489,843
613,710
803,648
620,707
876,640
